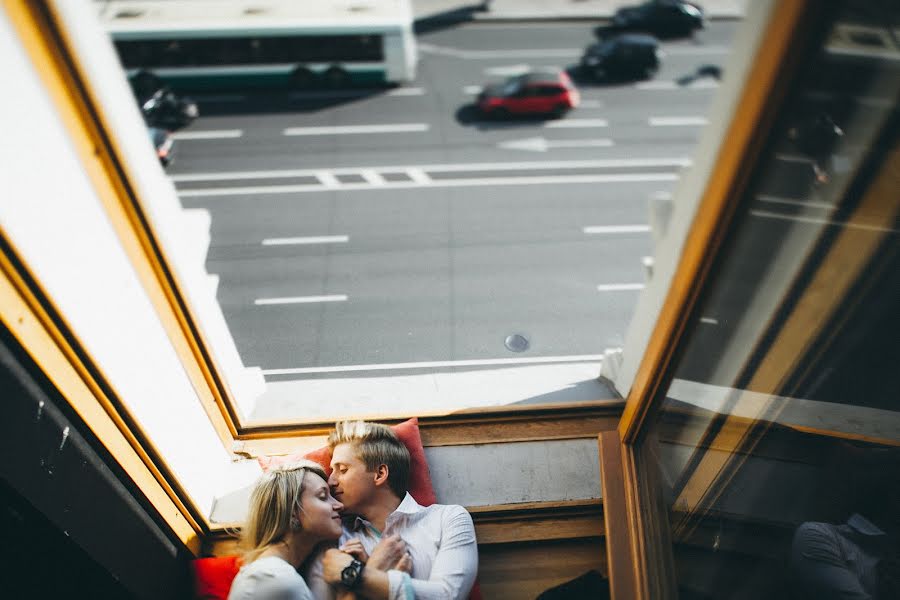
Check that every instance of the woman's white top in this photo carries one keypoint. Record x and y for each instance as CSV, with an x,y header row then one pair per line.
x,y
269,578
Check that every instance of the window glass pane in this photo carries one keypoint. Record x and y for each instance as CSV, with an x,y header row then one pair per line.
x,y
382,242
777,446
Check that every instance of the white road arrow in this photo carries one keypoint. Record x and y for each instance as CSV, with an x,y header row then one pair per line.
x,y
539,144
508,70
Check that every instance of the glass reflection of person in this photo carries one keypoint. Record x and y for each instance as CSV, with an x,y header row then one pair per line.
x,y
291,512
860,558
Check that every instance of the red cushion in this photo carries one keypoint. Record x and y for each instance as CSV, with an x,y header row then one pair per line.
x,y
408,431
213,576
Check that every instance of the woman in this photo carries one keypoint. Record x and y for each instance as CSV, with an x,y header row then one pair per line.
x,y
291,511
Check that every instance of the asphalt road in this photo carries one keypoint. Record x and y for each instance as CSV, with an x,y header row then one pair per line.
x,y
444,234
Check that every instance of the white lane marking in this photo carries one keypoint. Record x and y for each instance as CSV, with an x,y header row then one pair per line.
x,y
617,229
328,179
573,123
372,177
436,183
676,121
699,84
619,287
591,104
537,360
418,176
507,70
709,321
300,241
472,89
415,91
817,221
791,202
661,195
220,134
357,129
300,300
539,144
604,163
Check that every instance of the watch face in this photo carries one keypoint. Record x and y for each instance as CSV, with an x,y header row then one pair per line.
x,y
350,574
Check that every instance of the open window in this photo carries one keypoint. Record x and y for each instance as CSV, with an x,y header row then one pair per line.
x,y
761,438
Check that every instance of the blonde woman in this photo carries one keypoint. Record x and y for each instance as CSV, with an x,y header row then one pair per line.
x,y
291,511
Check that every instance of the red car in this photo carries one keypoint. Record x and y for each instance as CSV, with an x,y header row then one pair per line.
x,y
547,91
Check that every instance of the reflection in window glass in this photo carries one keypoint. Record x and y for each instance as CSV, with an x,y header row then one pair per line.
x,y
778,445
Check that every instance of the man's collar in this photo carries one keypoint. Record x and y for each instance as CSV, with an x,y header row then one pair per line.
x,y
408,506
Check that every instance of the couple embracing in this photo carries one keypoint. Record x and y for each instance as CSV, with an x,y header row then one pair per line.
x,y
357,533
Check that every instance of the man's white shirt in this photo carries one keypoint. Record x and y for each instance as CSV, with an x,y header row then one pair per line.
x,y
441,542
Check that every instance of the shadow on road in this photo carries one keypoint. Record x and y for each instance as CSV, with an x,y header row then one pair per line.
x,y
279,101
469,115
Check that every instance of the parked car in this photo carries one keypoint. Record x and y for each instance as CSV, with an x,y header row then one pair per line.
x,y
626,56
164,144
166,110
663,18
544,91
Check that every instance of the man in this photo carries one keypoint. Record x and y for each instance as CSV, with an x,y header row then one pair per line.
x,y
392,547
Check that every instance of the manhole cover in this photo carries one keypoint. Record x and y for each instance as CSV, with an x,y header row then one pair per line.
x,y
516,343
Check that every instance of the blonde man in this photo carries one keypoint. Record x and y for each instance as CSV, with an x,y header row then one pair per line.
x,y
392,548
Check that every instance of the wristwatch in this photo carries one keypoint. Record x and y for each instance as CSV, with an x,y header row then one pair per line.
x,y
352,574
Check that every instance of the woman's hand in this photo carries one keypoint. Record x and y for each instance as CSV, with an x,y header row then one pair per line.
x,y
355,549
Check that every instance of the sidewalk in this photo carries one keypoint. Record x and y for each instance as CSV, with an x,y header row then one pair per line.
x,y
511,10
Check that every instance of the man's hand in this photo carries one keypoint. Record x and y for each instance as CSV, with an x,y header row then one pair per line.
x,y
388,553
333,563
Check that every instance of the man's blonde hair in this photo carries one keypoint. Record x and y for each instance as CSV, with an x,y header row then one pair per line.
x,y
375,445
273,504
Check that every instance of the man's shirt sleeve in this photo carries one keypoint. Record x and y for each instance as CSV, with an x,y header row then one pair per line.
x,y
455,566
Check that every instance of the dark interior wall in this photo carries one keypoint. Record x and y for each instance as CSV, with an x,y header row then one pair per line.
x,y
72,523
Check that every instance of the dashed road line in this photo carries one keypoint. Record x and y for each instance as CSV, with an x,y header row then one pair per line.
x,y
208,135
300,241
359,129
676,121
300,300
619,287
617,229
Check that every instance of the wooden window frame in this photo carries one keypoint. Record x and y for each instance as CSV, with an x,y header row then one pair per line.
x,y
639,544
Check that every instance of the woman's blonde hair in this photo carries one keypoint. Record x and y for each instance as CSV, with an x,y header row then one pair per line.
x,y
273,504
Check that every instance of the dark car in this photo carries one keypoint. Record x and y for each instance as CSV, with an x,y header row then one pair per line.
x,y
663,18
164,144
627,56
545,91
166,110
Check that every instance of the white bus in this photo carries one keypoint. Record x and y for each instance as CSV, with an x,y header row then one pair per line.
x,y
209,44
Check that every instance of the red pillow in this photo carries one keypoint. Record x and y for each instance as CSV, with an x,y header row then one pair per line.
x,y
408,432
213,576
